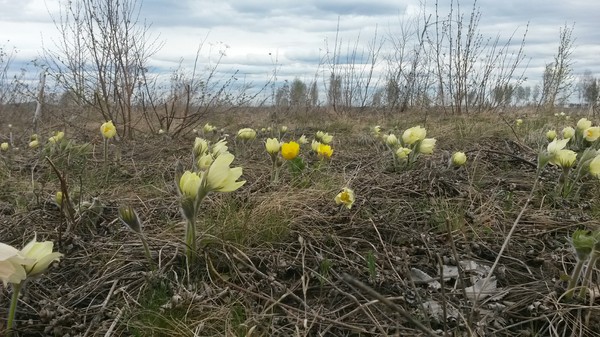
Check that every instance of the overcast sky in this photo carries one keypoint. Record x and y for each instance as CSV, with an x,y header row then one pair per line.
x,y
293,36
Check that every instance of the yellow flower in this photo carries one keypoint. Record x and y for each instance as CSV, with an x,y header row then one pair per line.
x,y
551,135
566,158
273,145
595,167
345,197
200,146
290,150
220,177
58,198
42,255
427,146
315,145
391,140
108,130
33,137
4,146
592,133
325,151
34,144
403,152
519,122
568,132
459,158
583,124
413,135
189,183
209,128
246,134
161,131
283,129
58,136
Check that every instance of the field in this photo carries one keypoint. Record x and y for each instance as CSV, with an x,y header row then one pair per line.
x,y
281,258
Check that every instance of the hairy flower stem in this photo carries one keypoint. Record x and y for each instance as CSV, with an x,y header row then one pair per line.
x,y
13,308
147,250
105,151
275,175
587,278
190,240
574,279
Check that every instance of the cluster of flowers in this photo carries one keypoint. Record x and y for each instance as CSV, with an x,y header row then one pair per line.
x,y
407,149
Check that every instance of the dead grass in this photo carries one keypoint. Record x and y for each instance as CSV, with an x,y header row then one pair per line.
x,y
273,257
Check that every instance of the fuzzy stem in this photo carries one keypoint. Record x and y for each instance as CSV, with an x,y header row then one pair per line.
x,y
147,250
105,151
587,278
190,240
574,279
13,308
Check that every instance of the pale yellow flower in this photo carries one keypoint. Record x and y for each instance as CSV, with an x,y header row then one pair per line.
x,y
391,140
595,167
283,129
583,124
108,130
459,158
290,150
323,137
427,146
413,135
591,134
302,140
220,177
403,152
325,151
345,197
4,146
568,132
189,183
205,161
376,130
58,198
58,136
315,145
42,255
246,134
34,144
556,145
551,135
200,146
208,128
519,122
566,158
12,264
219,148
273,145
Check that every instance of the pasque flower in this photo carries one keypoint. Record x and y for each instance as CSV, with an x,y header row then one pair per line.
x,y
246,134
41,254
583,124
427,145
595,167
413,135
4,146
551,135
323,137
459,158
12,265
403,152
209,128
568,132
345,197
272,145
565,158
108,130
189,184
591,134
222,178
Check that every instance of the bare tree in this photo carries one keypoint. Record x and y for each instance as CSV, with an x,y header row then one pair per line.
x,y
102,56
557,81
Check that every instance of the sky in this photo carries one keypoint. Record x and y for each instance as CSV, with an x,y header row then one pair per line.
x,y
291,38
